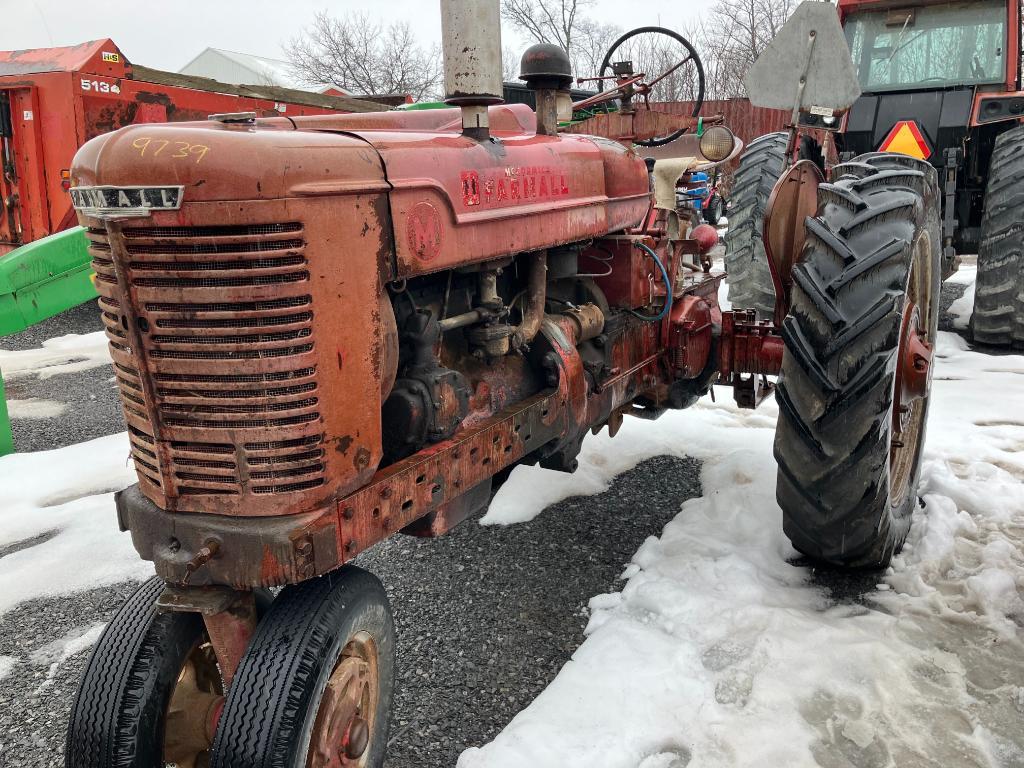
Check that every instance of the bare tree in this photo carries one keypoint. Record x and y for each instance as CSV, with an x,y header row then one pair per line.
x,y
510,61
364,57
564,23
728,39
590,44
545,21
732,37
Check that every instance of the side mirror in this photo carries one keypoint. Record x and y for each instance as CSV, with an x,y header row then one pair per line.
x,y
807,65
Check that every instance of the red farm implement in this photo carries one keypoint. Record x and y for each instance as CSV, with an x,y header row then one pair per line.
x,y
53,100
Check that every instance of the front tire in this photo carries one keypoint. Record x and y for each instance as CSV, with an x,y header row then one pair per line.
x,y
852,415
315,685
149,693
750,278
998,318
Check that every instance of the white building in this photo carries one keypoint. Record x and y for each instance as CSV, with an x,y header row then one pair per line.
x,y
246,69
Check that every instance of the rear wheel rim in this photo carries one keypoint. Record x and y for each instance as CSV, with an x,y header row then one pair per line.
x,y
346,716
912,381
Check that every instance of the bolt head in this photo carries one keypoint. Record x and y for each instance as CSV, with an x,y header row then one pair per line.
x,y
357,738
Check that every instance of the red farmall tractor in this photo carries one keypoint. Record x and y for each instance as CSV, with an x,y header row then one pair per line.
x,y
941,82
329,330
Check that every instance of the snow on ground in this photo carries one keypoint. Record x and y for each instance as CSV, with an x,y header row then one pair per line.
x,y
35,408
55,653
7,663
64,354
58,531
963,308
718,652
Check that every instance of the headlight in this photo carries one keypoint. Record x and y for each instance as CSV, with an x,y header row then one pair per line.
x,y
717,143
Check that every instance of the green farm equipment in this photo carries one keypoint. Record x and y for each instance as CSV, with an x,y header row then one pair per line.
x,y
37,281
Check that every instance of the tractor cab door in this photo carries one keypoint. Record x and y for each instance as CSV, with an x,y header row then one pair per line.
x,y
23,200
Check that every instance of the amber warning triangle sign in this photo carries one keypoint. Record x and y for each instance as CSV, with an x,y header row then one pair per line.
x,y
905,138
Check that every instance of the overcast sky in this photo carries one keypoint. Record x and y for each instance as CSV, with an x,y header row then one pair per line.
x,y
167,35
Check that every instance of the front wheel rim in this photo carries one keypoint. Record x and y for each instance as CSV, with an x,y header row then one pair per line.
x,y
194,709
343,731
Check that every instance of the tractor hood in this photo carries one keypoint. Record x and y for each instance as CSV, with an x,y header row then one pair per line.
x,y
223,162
452,198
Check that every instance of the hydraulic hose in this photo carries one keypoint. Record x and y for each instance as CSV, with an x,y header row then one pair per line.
x,y
668,287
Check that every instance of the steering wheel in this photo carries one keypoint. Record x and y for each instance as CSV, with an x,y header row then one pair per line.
x,y
671,64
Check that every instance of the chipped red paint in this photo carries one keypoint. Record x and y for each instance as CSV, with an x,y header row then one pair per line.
x,y
230,631
749,345
425,231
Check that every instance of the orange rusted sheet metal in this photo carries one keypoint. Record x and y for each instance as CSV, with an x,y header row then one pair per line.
x,y
53,100
250,274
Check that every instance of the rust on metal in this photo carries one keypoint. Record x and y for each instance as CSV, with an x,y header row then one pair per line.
x,y
913,368
408,490
638,125
82,91
749,352
194,710
793,200
692,333
230,631
345,718
371,269
533,313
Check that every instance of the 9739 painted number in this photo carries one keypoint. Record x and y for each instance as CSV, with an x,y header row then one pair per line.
x,y
176,149
100,87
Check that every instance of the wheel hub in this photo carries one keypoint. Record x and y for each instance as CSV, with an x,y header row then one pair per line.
x,y
194,710
913,370
344,723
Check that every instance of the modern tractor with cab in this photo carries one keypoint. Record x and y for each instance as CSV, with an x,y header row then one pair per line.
x,y
941,83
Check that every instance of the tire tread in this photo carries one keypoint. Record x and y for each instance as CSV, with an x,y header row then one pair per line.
x,y
750,278
998,318
841,336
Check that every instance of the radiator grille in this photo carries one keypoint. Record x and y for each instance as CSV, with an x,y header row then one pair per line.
x,y
223,364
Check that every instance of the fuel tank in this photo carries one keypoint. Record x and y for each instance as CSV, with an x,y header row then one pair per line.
x,y
242,270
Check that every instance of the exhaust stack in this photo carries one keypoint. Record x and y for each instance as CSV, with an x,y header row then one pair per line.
x,y
471,41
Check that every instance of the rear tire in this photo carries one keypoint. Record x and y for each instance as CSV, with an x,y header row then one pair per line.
x,y
848,471
750,278
998,318
275,714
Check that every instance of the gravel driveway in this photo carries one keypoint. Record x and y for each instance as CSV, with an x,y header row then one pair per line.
x,y
486,616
